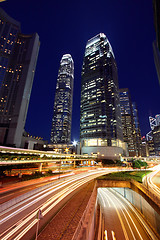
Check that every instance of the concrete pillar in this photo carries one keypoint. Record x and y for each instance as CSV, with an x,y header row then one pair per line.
x,y
40,167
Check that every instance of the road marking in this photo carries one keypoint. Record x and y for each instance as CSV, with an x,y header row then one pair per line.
x,y
122,224
127,219
101,196
106,198
113,235
146,227
105,235
48,205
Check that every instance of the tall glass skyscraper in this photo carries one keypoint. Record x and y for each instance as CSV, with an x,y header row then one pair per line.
x,y
156,43
62,113
18,58
100,123
137,129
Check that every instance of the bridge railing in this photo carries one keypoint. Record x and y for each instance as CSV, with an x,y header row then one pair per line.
x,y
85,227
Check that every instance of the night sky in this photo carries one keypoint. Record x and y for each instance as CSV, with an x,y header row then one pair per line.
x,y
64,27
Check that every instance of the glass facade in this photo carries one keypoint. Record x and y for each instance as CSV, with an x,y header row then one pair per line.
x,y
156,43
128,124
18,57
62,113
156,140
137,128
100,122
9,29
156,10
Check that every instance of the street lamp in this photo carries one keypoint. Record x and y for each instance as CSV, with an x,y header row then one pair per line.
x,y
75,146
74,143
56,150
66,150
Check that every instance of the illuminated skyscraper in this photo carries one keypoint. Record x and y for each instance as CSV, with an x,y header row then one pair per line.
x,y
156,140
137,129
18,57
128,121
156,43
62,113
100,123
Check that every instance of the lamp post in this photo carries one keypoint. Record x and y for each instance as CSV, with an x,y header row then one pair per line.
x,y
75,146
66,150
56,150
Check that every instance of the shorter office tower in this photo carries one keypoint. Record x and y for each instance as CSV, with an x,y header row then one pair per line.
x,y
18,57
153,137
156,140
144,147
137,129
100,123
156,43
151,148
128,121
62,112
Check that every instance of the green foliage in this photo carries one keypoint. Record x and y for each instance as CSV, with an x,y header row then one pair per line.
x,y
138,164
128,175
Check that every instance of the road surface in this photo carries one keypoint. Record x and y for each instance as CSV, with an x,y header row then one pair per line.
x,y
120,219
19,221
152,181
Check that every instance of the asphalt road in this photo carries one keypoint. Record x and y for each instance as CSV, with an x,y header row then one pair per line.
x,y
120,219
15,191
152,181
156,179
19,220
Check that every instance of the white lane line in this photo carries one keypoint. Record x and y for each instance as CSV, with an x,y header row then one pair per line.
x,y
61,195
106,198
121,221
129,217
33,196
141,220
127,222
26,229
102,198
123,215
105,235
58,196
113,235
41,197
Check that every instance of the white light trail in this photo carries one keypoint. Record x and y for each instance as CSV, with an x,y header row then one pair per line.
x,y
20,227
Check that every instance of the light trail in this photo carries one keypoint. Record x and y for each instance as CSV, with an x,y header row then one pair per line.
x,y
113,235
140,219
24,224
46,191
120,219
105,234
132,226
147,180
58,196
